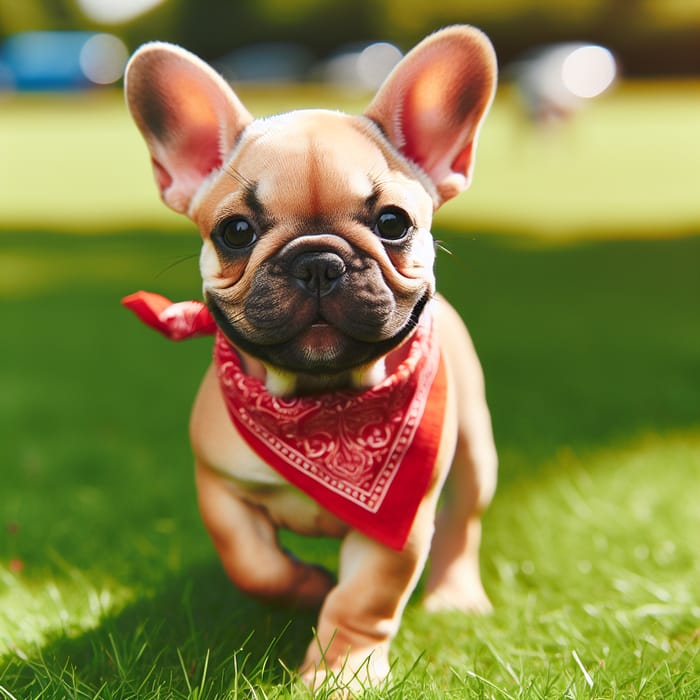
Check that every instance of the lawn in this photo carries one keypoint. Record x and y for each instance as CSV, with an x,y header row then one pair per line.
x,y
109,586
628,166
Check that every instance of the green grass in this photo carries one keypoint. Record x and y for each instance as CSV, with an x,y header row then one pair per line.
x,y
590,551
627,166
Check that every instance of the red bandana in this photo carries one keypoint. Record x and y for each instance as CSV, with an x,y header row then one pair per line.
x,y
366,456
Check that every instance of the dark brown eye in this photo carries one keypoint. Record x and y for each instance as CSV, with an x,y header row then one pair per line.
x,y
392,224
237,233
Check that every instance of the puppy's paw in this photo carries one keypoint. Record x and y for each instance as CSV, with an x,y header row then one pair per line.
x,y
445,601
454,592
349,676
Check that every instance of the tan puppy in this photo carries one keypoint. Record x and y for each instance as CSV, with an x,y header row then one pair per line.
x,y
317,266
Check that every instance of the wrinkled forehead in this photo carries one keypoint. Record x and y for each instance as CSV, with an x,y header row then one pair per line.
x,y
320,156
315,159
314,162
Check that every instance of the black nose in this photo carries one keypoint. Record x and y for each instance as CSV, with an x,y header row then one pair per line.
x,y
318,273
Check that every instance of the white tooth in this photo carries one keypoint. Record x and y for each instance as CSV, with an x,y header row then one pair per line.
x,y
278,382
369,375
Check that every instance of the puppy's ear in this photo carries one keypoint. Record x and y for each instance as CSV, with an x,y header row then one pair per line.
x,y
188,115
432,104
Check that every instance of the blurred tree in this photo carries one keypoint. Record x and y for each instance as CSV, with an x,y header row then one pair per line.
x,y
652,37
26,16
649,36
213,28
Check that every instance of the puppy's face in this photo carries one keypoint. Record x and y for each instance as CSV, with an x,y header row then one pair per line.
x,y
317,253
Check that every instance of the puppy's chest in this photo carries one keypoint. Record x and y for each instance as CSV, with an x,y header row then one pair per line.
x,y
256,482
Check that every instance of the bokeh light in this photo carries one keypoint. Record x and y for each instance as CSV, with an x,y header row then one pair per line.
x,y
376,62
103,58
116,11
588,71
363,67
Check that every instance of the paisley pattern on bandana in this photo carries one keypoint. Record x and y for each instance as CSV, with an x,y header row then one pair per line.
x,y
351,443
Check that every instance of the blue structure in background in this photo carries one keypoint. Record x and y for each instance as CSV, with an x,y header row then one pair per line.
x,y
43,61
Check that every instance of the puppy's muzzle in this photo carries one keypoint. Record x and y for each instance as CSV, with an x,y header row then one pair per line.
x,y
317,273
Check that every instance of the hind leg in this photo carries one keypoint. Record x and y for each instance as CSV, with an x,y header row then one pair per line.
x,y
454,580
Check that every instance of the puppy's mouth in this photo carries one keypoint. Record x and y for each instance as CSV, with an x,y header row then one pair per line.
x,y
321,339
319,346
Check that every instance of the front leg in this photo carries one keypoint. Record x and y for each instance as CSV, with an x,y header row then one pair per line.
x,y
247,543
243,534
361,615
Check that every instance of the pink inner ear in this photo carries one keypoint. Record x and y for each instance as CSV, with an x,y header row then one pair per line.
x,y
462,163
196,125
427,141
184,121
182,164
163,178
430,122
200,150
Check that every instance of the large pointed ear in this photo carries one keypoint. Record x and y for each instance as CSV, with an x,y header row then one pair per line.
x,y
432,104
188,115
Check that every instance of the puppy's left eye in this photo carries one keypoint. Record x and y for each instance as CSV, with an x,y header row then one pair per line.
x,y
392,224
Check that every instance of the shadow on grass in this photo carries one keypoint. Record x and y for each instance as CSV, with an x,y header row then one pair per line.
x,y
198,631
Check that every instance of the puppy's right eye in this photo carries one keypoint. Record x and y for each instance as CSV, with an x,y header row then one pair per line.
x,y
237,233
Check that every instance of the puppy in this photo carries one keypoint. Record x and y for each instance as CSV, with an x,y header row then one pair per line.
x,y
343,389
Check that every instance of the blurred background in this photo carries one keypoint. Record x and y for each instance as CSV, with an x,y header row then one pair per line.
x,y
650,37
594,131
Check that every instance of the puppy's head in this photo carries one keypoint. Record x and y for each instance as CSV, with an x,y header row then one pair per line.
x,y
317,256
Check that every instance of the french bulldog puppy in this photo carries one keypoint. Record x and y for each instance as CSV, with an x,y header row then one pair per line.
x,y
344,389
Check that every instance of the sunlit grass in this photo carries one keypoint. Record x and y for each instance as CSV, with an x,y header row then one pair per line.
x,y
109,586
595,579
626,166
592,567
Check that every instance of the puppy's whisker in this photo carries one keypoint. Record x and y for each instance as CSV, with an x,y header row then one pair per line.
x,y
177,262
238,176
439,245
454,257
